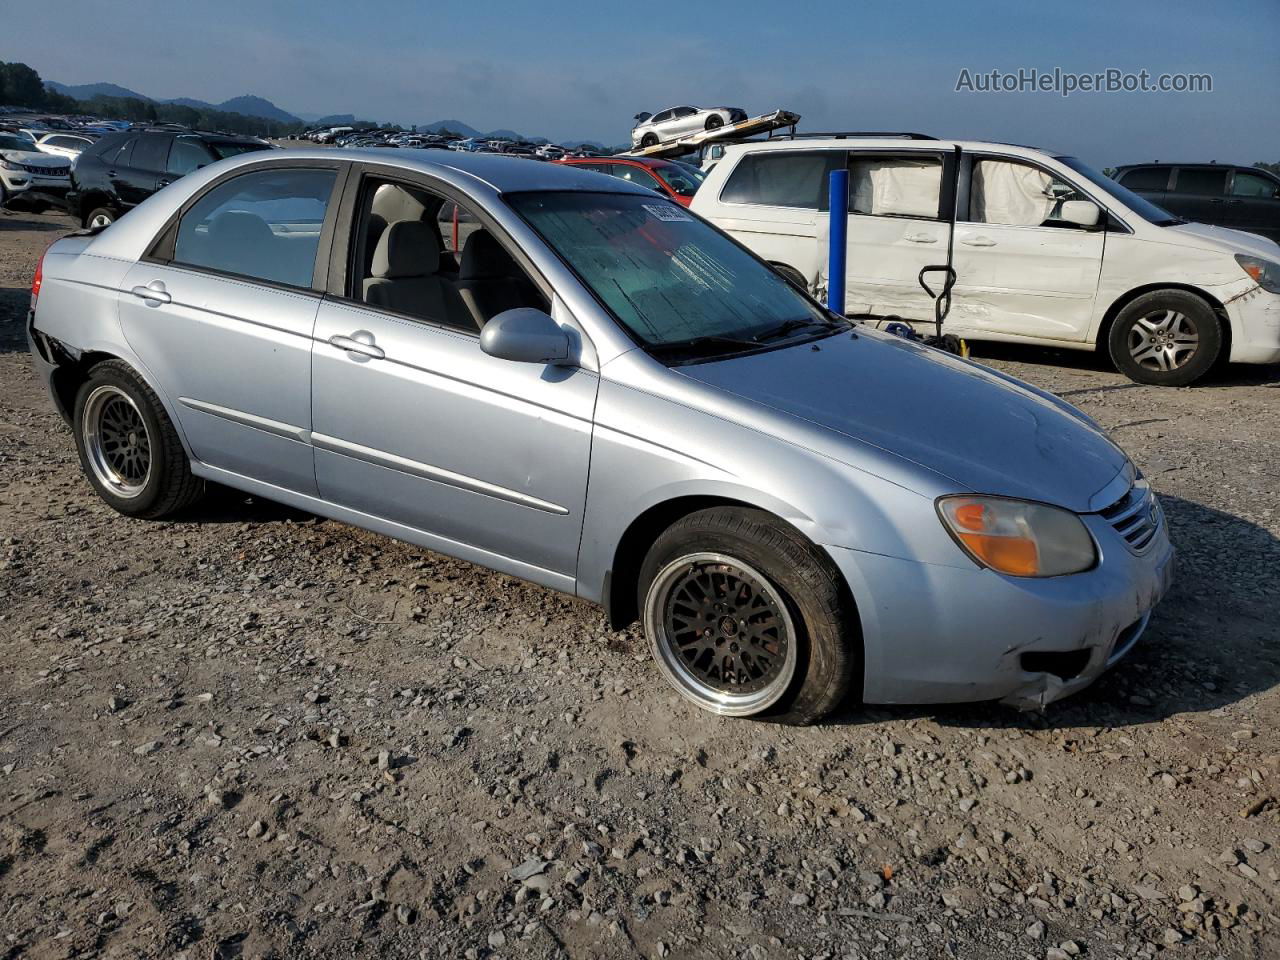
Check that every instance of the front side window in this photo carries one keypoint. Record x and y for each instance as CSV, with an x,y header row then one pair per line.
x,y
783,178
683,180
1201,181
265,225
1017,194
895,186
1252,185
670,279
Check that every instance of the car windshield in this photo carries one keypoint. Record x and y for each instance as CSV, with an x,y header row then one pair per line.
x,y
681,287
10,142
1140,205
683,180
231,148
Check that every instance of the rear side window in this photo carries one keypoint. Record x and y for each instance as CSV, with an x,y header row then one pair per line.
x,y
895,186
188,154
1201,181
151,151
637,175
1146,178
792,178
264,225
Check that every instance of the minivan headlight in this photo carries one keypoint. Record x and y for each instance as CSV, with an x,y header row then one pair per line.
x,y
1265,273
1018,537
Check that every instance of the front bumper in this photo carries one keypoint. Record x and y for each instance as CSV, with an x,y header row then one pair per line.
x,y
948,634
1255,322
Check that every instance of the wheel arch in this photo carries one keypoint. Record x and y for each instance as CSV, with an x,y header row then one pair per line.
x,y
621,579
1113,311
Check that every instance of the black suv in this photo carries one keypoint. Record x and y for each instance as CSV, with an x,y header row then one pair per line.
x,y
121,170
1243,198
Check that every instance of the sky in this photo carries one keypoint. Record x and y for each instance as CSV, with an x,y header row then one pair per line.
x,y
578,70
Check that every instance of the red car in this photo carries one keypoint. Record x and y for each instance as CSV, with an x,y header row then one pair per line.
x,y
671,178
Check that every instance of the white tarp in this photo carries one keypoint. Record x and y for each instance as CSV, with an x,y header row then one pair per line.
x,y
1011,193
904,187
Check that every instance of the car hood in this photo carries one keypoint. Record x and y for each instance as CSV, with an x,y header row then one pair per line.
x,y
35,158
1228,240
985,432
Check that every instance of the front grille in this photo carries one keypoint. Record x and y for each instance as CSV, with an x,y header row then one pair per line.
x,y
1135,516
44,171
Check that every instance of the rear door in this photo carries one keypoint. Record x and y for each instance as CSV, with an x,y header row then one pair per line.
x,y
144,171
221,313
898,225
1020,269
772,203
1200,194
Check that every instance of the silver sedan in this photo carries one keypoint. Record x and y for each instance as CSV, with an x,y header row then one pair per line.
x,y
564,377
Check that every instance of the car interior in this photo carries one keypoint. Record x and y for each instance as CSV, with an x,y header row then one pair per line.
x,y
458,275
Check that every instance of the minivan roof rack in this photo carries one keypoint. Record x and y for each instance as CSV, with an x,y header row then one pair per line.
x,y
848,134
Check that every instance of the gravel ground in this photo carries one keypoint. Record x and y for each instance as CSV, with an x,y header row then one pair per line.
x,y
255,733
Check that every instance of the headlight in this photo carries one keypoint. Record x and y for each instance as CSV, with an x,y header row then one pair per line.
x,y
1017,537
8,165
1264,272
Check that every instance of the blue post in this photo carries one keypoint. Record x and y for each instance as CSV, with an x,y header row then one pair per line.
x,y
838,248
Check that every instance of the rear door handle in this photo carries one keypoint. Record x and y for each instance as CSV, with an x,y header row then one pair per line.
x,y
978,242
153,293
919,238
359,346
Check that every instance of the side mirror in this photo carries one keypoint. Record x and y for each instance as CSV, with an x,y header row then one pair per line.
x,y
1083,213
525,335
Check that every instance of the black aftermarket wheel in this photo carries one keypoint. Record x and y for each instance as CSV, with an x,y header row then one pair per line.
x,y
747,618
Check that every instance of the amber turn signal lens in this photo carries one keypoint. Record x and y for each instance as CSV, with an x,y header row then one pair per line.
x,y
1017,537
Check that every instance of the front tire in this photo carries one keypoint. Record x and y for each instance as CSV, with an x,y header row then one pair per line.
x,y
649,140
746,618
1166,338
714,122
129,449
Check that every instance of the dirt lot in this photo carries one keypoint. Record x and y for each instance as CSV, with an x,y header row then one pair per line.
x,y
255,733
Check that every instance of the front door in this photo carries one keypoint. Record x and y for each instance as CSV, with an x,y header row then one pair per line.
x,y
412,422
221,315
1020,269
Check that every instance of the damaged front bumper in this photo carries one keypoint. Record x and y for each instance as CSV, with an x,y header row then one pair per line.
x,y
949,634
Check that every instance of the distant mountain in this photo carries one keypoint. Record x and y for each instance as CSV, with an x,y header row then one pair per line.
x,y
457,126
87,91
248,105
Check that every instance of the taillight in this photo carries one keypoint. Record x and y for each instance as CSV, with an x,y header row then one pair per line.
x,y
36,281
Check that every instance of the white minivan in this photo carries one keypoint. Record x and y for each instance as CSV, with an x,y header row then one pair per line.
x,y
1045,249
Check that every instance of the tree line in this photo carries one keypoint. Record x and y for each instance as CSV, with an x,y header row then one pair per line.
x,y
21,86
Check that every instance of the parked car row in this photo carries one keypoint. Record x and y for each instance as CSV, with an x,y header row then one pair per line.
x,y
624,403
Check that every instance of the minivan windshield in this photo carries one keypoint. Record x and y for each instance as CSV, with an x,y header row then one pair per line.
x,y
1140,205
681,287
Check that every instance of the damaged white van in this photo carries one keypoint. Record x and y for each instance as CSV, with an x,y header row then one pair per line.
x,y
1040,249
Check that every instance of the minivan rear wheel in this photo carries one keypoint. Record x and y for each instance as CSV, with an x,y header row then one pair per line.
x,y
746,618
1166,338
129,449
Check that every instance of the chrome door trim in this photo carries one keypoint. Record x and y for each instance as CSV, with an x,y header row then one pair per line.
x,y
286,430
426,471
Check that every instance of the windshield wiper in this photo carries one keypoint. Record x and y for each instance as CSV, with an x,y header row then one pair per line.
x,y
789,326
695,345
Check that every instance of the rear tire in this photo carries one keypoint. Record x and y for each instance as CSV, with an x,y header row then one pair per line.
x,y
101,216
129,449
745,617
1166,338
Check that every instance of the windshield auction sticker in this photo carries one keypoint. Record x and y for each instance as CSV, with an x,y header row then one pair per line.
x,y
668,212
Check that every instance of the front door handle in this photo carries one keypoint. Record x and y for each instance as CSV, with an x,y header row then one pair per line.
x,y
919,238
153,293
359,346
978,242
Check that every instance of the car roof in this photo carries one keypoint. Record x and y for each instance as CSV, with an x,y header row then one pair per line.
x,y
893,144
502,172
1199,163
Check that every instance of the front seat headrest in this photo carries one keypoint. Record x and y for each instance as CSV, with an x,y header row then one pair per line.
x,y
409,248
483,256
